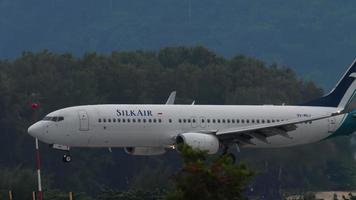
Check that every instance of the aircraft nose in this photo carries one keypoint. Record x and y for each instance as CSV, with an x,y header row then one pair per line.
x,y
34,130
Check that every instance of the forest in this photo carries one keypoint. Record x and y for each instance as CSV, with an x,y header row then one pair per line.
x,y
198,74
308,35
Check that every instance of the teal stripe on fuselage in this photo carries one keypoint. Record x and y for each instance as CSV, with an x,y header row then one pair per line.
x,y
348,126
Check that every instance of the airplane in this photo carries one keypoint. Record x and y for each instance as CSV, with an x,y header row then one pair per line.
x,y
143,129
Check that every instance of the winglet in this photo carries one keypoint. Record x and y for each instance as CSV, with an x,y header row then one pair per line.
x,y
171,98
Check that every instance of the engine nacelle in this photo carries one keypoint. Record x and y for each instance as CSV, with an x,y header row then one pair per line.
x,y
145,151
201,141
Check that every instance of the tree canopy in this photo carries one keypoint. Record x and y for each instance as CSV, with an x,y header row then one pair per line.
x,y
196,73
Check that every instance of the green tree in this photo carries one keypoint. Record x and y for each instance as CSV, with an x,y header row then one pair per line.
x,y
201,179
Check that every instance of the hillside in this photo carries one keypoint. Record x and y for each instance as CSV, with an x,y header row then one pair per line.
x,y
317,38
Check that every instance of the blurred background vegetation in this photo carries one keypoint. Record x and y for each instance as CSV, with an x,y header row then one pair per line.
x,y
315,37
197,73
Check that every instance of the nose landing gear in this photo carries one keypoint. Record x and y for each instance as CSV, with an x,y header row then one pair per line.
x,y
67,158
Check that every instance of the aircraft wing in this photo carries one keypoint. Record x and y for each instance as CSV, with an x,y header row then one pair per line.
x,y
243,135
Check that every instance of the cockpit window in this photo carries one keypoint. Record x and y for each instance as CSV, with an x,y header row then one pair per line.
x,y
54,118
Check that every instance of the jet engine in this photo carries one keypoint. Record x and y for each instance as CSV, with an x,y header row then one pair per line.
x,y
145,151
201,141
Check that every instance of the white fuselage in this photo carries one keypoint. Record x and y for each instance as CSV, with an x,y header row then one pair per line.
x,y
158,125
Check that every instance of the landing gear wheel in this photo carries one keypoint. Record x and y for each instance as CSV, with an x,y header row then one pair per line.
x,y
67,158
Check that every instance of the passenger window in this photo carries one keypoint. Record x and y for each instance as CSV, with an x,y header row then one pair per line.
x,y
238,121
134,120
144,120
104,120
273,121
242,121
223,121
192,120
258,121
150,120
233,121
214,121
180,120
170,120
118,120
202,120
123,120
139,120
268,121
160,120
208,120
188,120
128,120
263,121
228,121
219,121
109,120
113,120
99,120
184,120
154,120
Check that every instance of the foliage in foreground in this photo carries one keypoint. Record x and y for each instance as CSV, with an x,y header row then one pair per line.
x,y
199,179
209,180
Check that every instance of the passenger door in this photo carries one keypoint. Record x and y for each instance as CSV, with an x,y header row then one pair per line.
x,y
83,120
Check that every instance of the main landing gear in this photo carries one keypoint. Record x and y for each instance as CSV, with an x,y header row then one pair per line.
x,y
67,158
226,152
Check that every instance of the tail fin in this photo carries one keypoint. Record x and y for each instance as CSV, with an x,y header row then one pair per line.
x,y
343,92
